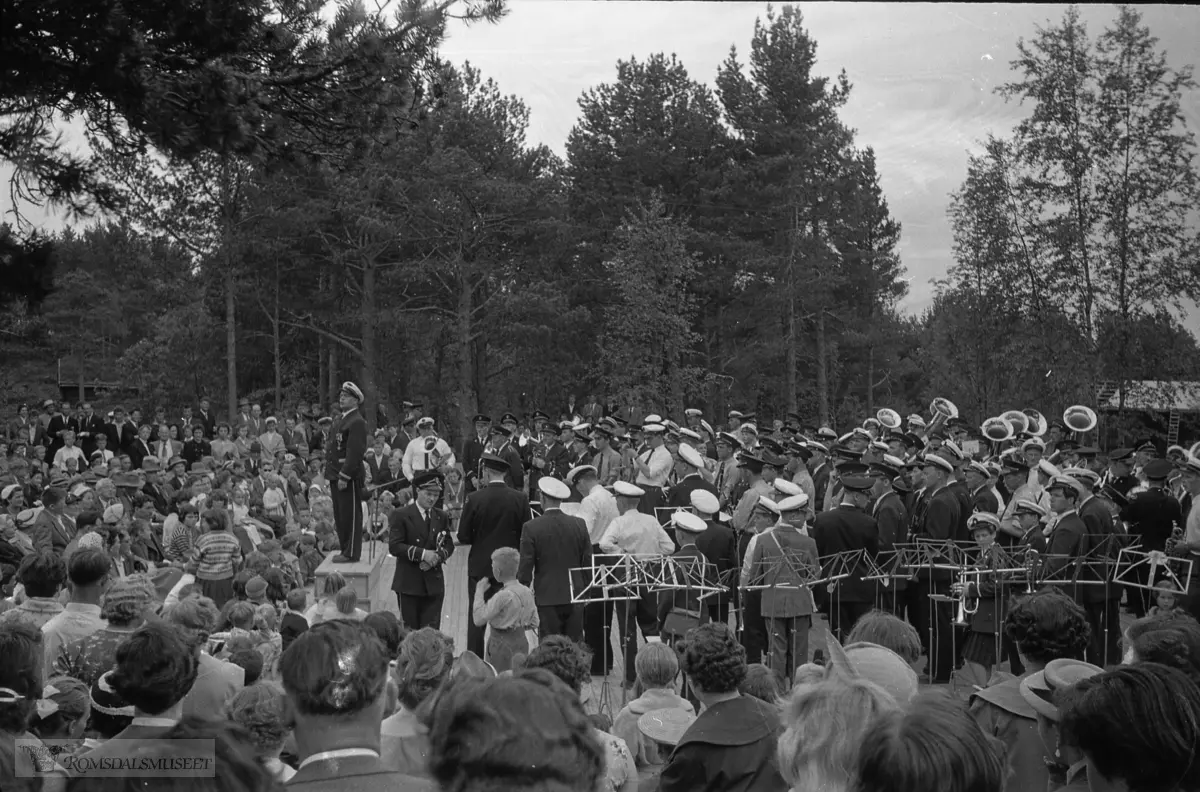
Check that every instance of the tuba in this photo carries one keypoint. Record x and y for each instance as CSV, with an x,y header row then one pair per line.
x,y
889,419
997,431
1037,423
1079,419
943,410
1018,420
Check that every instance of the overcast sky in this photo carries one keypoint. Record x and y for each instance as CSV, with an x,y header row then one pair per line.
x,y
922,73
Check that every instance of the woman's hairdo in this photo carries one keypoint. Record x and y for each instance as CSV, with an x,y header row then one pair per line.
x,y
73,699
713,659
424,663
217,517
263,711
388,628
891,632
567,660
760,683
529,730
155,667
1172,639
195,615
1048,625
334,583
127,600
933,746
338,667
1139,724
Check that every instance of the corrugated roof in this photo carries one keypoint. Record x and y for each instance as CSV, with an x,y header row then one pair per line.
x,y
1163,395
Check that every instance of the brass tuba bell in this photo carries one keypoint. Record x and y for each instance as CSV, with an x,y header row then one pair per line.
x,y
889,419
1079,419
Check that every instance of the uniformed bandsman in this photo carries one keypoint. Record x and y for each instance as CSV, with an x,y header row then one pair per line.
x,y
346,473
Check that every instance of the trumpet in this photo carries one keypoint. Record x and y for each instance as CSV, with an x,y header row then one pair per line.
x,y
1031,562
965,578
1173,541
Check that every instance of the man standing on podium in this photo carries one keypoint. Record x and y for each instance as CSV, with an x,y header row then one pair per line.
x,y
347,474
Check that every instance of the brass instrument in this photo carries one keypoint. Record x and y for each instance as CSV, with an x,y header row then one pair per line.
x,y
1031,562
889,419
1173,541
1080,419
965,578
1038,426
998,431
1018,420
943,410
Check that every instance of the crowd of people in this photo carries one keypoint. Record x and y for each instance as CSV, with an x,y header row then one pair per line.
x,y
161,594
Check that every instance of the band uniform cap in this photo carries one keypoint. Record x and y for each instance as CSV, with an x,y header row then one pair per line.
x,y
1120,454
1088,451
852,468
1158,469
692,412
825,433
500,429
671,425
749,427
427,479
793,503
1036,442
508,418
1146,445
493,462
652,418
703,501
847,453
554,488
1048,468
979,468
1013,464
787,488
690,434
952,448
575,472
150,464
1069,444
916,420
424,421
880,446
901,486
857,483
666,726
858,431
771,445
1038,689
1061,482
768,504
691,456
816,445
538,415
774,460
750,461
983,520
549,428
735,414
1029,507
749,417
654,428
686,521
565,425
884,469
627,490
1084,475
324,419
729,439
706,426
846,438
933,460
350,389
481,418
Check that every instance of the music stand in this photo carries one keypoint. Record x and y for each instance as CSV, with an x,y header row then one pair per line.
x,y
1177,569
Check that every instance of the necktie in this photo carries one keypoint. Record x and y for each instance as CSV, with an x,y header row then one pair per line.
x,y
721,479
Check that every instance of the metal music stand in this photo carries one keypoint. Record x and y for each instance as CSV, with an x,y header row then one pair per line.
x,y
663,513
1176,569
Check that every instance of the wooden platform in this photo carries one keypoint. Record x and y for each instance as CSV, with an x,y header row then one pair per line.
x,y
364,575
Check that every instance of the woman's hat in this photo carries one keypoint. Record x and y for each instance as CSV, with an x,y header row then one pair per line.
x,y
1038,689
666,726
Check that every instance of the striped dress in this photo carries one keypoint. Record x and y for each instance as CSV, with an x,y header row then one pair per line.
x,y
216,556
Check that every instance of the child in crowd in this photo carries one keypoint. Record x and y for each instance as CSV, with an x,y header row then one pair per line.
x,y
346,601
1166,597
657,669
294,622
216,555
326,607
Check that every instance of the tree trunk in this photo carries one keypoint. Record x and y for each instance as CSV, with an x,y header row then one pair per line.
x,y
82,380
822,368
369,317
870,377
465,396
322,368
791,342
276,345
331,388
230,334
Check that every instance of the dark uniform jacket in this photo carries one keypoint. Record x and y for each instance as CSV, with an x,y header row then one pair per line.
x,y
551,547
472,450
345,458
719,545
681,493
1068,541
940,519
492,518
408,537
984,500
847,528
1098,522
1152,515
892,519
515,477
780,555
687,599
991,592
820,478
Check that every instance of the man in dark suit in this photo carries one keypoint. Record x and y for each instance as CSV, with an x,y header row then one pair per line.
x,y
680,496
1069,537
680,610
719,545
419,538
154,489
1152,515
552,547
206,418
937,519
492,518
90,427
820,472
1102,603
892,519
846,528
979,484
502,446
347,475
473,449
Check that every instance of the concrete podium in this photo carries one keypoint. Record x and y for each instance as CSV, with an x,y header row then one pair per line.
x,y
363,575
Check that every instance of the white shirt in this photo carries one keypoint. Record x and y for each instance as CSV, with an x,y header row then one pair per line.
x,y
417,459
660,463
69,452
598,510
637,534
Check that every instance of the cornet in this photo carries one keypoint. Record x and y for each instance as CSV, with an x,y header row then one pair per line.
x,y
1031,562
965,578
